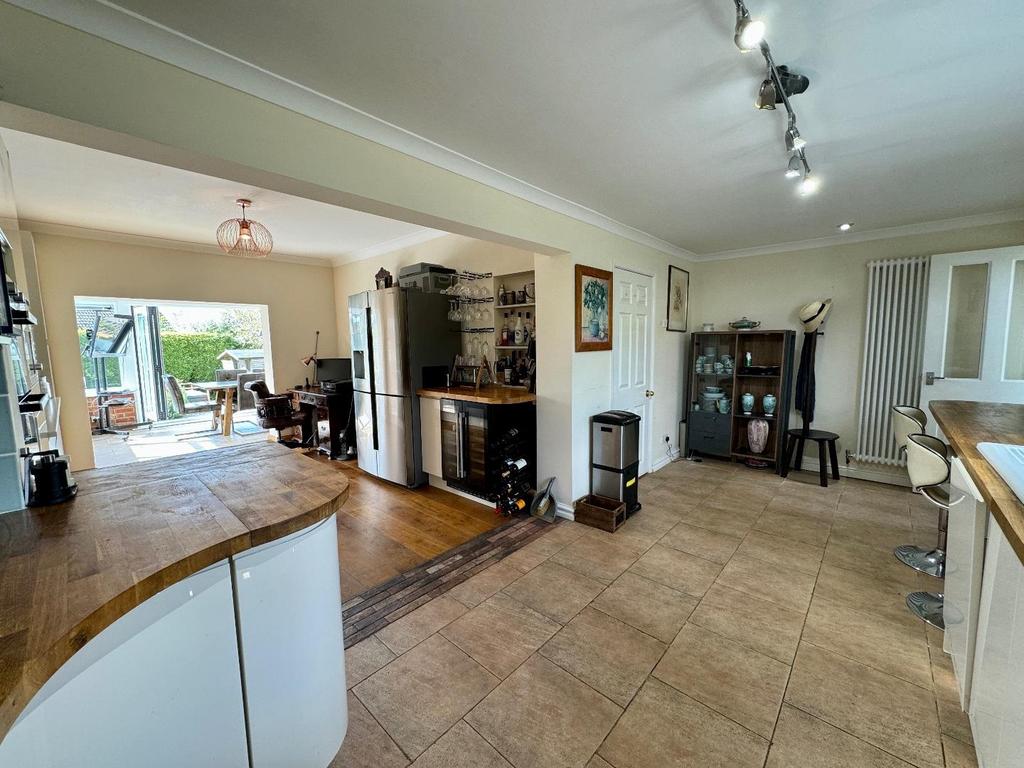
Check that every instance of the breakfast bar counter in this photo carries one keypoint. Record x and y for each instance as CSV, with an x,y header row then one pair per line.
x,y
965,424
126,615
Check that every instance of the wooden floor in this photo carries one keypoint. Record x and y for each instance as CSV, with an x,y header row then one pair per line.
x,y
384,529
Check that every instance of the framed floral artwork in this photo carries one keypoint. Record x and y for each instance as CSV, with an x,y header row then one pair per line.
x,y
678,298
593,309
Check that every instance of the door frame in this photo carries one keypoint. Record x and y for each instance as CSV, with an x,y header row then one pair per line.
x,y
650,362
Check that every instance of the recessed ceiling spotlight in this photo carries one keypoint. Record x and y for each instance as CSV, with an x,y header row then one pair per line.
x,y
749,32
793,171
845,226
809,185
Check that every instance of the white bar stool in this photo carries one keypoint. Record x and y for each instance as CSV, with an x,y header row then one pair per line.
x,y
906,421
928,465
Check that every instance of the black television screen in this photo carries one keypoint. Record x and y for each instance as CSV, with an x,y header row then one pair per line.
x,y
334,369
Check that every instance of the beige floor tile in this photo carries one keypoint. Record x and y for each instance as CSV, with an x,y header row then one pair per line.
x,y
663,728
782,551
878,642
564,532
796,527
802,741
865,512
943,676
881,536
461,747
366,744
877,562
415,627
797,506
860,592
953,721
750,621
424,692
541,716
646,527
716,547
787,587
687,573
727,521
490,581
597,762
889,713
658,610
557,592
606,654
744,685
500,633
600,559
365,658
958,754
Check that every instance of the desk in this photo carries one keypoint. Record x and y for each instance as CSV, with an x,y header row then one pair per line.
x,y
337,405
225,394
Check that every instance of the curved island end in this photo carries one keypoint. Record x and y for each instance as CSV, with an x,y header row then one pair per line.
x,y
178,612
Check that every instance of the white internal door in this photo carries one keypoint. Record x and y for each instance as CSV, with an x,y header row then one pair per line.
x,y
974,327
632,347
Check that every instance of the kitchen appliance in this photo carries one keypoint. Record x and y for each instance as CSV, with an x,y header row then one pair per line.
x,y
615,457
481,443
429,278
49,479
396,332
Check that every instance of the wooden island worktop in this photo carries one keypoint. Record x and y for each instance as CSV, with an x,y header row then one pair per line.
x,y
69,571
965,424
489,394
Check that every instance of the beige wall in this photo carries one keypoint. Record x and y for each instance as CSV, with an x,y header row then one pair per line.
x,y
454,251
299,298
772,289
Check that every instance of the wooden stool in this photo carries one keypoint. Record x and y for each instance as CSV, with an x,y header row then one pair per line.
x,y
795,438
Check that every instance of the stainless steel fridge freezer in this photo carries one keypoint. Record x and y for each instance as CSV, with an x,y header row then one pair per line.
x,y
396,332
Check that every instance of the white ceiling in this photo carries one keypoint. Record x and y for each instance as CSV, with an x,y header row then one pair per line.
x,y
642,109
65,184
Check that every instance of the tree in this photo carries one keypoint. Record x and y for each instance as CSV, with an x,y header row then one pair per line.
x,y
244,325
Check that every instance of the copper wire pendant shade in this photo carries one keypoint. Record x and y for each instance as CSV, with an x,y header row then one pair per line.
x,y
244,237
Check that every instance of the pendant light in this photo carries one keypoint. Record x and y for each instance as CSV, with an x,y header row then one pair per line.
x,y
245,237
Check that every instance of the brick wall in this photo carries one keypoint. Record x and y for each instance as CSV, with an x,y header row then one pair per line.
x,y
120,415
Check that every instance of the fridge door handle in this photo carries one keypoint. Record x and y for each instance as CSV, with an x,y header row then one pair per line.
x,y
373,387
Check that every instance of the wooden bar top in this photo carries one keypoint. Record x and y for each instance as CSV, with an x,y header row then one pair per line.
x,y
70,570
487,394
965,424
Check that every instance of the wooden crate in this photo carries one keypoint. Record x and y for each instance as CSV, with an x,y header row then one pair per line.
x,y
600,512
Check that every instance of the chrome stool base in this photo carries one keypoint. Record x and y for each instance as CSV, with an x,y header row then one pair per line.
x,y
929,561
927,606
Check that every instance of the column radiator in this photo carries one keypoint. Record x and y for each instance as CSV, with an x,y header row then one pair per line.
x,y
893,346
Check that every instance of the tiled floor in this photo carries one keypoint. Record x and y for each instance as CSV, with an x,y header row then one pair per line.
x,y
738,620
174,438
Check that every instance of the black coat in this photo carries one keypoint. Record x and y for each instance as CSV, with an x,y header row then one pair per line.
x,y
805,379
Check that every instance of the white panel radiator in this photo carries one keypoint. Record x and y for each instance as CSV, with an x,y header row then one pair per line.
x,y
893,346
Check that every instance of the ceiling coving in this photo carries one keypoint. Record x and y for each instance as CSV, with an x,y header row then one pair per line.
x,y
245,237
779,84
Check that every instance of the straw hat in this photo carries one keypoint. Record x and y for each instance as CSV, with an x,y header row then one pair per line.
x,y
814,314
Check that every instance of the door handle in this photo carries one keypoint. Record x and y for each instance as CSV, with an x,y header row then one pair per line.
x,y
649,393
930,378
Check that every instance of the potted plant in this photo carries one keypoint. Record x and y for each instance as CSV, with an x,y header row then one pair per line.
x,y
595,299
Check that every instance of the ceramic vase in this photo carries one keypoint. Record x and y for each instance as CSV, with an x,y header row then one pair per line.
x,y
757,435
747,402
769,402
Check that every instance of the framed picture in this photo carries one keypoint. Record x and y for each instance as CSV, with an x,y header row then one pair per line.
x,y
593,309
678,298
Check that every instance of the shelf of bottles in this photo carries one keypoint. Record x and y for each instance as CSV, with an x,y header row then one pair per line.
x,y
514,482
515,324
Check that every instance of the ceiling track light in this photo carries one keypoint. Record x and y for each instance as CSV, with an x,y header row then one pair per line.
x,y
749,32
779,85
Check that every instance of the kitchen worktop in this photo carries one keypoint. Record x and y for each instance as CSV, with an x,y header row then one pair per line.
x,y
488,394
965,424
70,570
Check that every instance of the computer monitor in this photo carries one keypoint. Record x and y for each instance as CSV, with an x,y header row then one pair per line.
x,y
334,369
